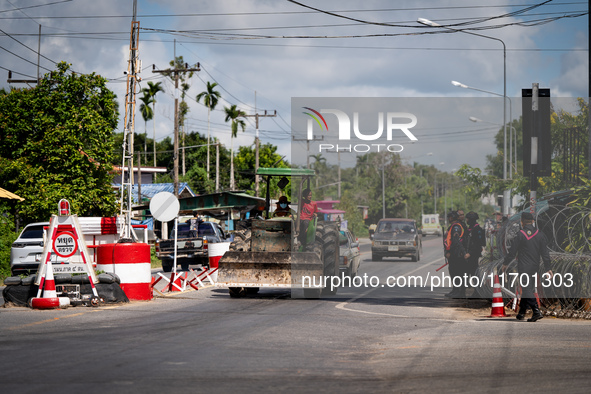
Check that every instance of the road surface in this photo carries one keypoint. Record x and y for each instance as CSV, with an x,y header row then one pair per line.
x,y
363,340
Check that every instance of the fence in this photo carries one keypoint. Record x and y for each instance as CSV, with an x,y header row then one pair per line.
x,y
568,229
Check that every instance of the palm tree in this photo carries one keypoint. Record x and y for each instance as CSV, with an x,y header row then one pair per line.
x,y
234,114
152,90
147,114
319,162
210,100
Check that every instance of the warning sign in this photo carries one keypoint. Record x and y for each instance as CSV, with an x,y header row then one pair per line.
x,y
65,244
66,250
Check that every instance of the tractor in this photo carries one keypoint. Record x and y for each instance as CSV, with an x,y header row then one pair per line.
x,y
265,252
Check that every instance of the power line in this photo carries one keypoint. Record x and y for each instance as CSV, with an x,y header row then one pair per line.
x,y
234,36
35,6
355,11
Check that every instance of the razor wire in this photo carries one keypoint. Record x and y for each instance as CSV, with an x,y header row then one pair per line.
x,y
568,229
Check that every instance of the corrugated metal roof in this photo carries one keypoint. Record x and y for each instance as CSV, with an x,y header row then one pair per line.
x,y
285,171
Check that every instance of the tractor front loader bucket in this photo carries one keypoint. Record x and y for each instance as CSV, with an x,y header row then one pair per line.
x,y
269,269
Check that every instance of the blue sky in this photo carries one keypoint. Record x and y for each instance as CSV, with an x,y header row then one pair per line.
x,y
249,45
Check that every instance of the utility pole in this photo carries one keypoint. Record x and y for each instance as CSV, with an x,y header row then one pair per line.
x,y
217,167
133,68
321,138
257,143
175,74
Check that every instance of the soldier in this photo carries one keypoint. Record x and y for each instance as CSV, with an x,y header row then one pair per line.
x,y
461,219
456,253
530,245
477,241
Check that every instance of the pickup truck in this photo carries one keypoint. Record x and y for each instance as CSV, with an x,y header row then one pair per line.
x,y
189,250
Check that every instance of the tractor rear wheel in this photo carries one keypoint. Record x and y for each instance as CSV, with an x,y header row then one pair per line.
x,y
326,247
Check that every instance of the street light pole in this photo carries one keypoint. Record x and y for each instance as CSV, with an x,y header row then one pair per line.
x,y
506,193
383,193
464,86
427,22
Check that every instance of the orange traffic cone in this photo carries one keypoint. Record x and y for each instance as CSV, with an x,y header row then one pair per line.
x,y
50,300
498,307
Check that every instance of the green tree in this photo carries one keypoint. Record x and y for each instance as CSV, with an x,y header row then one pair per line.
x,y
319,166
236,116
268,157
352,214
210,98
56,141
7,237
152,90
490,180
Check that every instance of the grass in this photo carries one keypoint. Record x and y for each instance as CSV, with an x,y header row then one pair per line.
x,y
155,261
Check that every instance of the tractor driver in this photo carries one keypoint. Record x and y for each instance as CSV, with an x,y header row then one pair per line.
x,y
283,209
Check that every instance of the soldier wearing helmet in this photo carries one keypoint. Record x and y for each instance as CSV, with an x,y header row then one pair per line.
x,y
530,245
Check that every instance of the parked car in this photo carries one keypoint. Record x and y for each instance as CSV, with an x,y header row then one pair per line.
x,y
190,250
26,251
350,255
396,238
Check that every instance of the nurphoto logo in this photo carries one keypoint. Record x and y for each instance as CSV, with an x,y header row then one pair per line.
x,y
395,121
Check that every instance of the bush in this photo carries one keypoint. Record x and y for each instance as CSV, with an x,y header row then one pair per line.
x,y
7,237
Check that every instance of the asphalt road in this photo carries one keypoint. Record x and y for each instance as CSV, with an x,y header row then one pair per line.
x,y
364,339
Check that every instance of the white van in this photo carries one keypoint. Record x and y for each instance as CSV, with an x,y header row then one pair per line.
x,y
431,225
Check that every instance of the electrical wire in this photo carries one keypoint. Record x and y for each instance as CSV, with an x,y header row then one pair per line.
x,y
34,6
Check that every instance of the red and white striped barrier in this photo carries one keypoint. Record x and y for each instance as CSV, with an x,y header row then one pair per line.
x,y
215,252
132,263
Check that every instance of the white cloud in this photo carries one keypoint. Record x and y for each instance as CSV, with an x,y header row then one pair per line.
x,y
279,69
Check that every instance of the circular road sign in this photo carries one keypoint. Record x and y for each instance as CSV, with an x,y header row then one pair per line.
x,y
65,244
164,206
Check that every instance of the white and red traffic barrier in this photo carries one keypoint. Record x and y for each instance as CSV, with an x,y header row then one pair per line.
x,y
215,253
50,300
132,263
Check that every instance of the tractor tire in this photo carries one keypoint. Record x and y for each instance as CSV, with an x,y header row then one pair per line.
x,y
326,246
166,267
312,294
237,292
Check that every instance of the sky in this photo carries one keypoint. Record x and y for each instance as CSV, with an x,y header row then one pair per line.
x,y
266,53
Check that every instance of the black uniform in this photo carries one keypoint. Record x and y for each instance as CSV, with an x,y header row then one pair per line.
x,y
457,253
529,246
477,240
